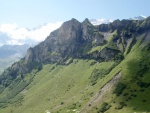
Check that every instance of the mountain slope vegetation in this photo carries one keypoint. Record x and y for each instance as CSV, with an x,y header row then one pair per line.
x,y
82,68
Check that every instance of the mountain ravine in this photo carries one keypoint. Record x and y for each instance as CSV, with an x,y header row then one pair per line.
x,y
81,68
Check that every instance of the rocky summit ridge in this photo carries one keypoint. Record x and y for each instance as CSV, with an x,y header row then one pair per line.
x,y
74,40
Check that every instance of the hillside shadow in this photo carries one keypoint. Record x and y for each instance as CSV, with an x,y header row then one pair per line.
x,y
137,80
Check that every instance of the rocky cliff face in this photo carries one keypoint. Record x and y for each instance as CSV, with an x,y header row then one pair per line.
x,y
62,42
75,40
65,42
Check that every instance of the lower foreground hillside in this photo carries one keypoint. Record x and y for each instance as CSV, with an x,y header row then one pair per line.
x,y
110,77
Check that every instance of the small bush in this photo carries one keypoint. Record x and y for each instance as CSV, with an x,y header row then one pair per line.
x,y
62,103
133,95
142,90
40,67
125,94
105,106
121,105
92,63
75,105
119,88
144,100
143,84
129,98
94,76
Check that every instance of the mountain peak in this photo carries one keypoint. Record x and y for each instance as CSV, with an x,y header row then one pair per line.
x,y
86,21
100,21
69,23
148,17
74,21
141,17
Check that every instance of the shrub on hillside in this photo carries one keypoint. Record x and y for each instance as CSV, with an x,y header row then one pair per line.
x,y
119,88
121,105
105,106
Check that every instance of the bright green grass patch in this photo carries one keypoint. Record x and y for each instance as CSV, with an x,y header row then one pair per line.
x,y
110,43
67,88
57,87
97,48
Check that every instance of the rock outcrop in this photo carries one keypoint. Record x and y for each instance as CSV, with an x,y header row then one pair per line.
x,y
74,39
65,42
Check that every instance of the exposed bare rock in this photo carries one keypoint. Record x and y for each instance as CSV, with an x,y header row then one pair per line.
x,y
98,97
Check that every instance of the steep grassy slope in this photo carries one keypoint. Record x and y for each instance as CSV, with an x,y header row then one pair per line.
x,y
69,88
60,87
76,69
132,92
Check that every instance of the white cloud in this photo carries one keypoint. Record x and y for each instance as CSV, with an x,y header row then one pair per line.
x,y
1,44
18,35
41,33
143,16
100,21
14,42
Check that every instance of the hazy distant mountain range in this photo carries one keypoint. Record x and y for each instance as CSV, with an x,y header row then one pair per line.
x,y
10,54
14,41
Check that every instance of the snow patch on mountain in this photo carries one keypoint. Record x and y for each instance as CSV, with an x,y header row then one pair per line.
x,y
100,21
141,17
107,21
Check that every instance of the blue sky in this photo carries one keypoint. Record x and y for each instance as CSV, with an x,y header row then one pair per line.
x,y
19,17
31,13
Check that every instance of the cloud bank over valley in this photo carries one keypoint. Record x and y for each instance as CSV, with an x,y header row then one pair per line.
x,y
12,34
